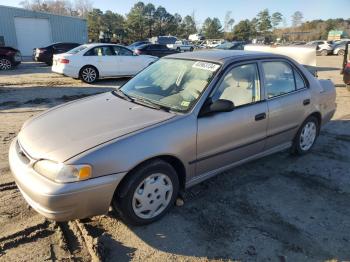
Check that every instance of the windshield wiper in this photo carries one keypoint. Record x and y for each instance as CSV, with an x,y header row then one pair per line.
x,y
123,95
152,104
141,101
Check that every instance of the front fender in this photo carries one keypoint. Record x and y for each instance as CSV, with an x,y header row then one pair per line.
x,y
176,137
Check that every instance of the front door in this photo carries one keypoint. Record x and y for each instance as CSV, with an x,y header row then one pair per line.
x,y
126,63
227,137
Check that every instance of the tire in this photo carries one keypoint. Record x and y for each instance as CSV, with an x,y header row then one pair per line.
x,y
191,49
341,52
306,136
324,52
88,74
5,64
139,204
178,49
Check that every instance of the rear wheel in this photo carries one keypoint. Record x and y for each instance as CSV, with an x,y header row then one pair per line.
x,y
178,49
147,194
306,136
88,74
191,49
324,52
5,64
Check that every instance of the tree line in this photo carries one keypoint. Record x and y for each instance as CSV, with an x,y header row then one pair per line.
x,y
146,20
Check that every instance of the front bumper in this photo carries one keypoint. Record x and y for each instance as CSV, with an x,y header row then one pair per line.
x,y
61,202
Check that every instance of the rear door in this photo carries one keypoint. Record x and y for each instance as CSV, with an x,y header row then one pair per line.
x,y
103,58
289,100
227,137
164,50
154,50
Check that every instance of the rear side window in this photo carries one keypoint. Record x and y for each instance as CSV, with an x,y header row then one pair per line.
x,y
299,81
100,51
122,51
281,78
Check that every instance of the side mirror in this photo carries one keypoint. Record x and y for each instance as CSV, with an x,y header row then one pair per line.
x,y
220,105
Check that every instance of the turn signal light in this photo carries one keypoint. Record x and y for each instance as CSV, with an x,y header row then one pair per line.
x,y
64,61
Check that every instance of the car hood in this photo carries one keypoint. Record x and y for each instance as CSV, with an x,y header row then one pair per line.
x,y
69,129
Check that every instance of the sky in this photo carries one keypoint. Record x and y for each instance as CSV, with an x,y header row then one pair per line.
x,y
241,9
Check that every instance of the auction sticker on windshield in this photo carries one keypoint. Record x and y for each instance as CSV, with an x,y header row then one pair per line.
x,y
206,66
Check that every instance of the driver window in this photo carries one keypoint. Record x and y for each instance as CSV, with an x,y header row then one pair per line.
x,y
241,85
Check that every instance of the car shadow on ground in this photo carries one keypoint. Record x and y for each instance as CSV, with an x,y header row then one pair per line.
x,y
296,207
45,97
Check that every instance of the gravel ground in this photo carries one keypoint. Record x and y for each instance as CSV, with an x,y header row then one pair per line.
x,y
279,208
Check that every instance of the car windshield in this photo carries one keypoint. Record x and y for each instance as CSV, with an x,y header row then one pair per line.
x,y
173,84
77,49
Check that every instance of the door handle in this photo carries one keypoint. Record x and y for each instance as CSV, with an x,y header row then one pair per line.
x,y
259,117
306,102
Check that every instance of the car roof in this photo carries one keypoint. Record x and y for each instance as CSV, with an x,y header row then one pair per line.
x,y
102,44
223,56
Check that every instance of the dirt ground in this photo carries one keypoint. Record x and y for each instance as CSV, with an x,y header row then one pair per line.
x,y
279,208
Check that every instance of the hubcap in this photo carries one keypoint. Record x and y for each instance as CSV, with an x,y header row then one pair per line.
x,y
5,64
89,74
152,196
308,136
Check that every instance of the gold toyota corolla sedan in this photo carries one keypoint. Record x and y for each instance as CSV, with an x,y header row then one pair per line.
x,y
182,120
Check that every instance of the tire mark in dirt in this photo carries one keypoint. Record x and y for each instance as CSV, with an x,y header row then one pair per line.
x,y
101,244
8,186
73,241
27,235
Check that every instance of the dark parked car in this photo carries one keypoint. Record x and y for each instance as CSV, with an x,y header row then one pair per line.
x,y
45,54
133,46
346,65
9,57
155,50
231,46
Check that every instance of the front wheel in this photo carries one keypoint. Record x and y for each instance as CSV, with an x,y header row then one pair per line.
x,y
147,194
5,64
88,74
306,136
341,52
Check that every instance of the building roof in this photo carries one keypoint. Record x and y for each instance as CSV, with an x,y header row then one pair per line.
x,y
41,12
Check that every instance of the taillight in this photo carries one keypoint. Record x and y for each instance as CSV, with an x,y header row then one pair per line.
x,y
64,61
137,51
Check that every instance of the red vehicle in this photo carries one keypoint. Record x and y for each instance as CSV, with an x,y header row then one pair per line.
x,y
9,57
346,65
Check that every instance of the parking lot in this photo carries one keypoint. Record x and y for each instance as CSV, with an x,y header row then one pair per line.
x,y
279,208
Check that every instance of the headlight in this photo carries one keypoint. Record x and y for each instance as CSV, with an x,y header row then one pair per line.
x,y
62,173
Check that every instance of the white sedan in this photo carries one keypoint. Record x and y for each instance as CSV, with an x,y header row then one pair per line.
x,y
95,61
